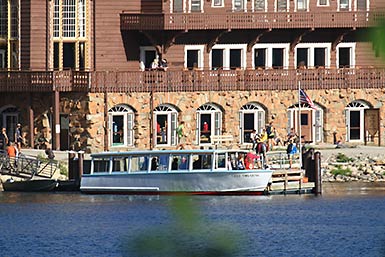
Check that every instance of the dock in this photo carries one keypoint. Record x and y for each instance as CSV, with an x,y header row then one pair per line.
x,y
292,179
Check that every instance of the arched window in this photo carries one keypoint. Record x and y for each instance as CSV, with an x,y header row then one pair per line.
x,y
355,117
165,117
251,116
209,122
121,122
311,122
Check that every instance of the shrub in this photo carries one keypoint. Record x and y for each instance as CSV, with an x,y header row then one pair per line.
x,y
339,171
343,158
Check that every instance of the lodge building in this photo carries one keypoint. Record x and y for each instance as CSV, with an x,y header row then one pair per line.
x,y
80,74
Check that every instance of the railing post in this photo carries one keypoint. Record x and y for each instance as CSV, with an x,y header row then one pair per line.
x,y
318,175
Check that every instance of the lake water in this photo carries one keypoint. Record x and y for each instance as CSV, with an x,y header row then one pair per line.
x,y
347,220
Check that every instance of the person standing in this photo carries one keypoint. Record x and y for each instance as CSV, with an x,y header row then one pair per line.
x,y
179,131
3,139
18,137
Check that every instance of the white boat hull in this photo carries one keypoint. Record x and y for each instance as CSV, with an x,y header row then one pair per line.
x,y
219,182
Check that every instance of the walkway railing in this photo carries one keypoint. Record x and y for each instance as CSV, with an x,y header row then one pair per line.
x,y
190,80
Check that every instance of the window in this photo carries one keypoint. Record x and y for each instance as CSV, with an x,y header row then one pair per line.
x,y
344,5
177,6
302,57
3,18
101,165
323,3
281,5
180,162
165,118
228,57
346,55
259,5
196,6
209,122
217,3
271,55
69,23
278,58
251,116
260,57
235,58
312,55
362,5
238,5
302,5
217,59
194,57
121,121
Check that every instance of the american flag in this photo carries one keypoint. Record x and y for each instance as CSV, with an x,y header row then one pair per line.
x,y
304,98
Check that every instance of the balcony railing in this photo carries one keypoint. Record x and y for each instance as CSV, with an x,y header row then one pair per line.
x,y
190,81
249,20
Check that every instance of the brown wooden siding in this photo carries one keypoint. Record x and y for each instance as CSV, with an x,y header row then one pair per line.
x,y
39,35
109,47
25,34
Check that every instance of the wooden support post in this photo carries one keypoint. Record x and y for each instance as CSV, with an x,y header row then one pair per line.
x,y
56,127
318,175
30,123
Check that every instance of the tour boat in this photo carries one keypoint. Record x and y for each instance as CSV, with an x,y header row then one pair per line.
x,y
173,172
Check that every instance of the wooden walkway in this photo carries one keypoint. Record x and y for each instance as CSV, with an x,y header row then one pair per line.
x,y
27,167
286,179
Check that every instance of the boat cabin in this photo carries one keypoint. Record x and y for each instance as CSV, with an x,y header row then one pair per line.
x,y
161,161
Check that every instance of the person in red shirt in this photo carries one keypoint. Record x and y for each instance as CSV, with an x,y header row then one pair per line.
x,y
11,150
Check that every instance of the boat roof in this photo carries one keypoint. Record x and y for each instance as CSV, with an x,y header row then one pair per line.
x,y
158,152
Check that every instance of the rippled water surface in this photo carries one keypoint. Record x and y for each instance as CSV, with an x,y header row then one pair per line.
x,y
347,220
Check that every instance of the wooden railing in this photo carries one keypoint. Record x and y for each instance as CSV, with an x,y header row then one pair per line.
x,y
249,20
190,80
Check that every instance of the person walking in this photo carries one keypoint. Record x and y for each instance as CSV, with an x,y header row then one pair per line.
x,y
179,131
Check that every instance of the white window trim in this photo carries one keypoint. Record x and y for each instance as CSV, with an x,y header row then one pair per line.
x,y
311,47
142,54
201,5
126,130
276,5
361,109
226,54
350,6
201,49
269,53
352,53
302,10
323,5
217,6
169,131
253,6
244,5
367,5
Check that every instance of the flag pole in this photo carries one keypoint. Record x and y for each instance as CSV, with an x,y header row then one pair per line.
x,y
299,124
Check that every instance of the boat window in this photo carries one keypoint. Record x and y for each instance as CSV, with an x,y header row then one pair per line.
x,y
201,161
101,165
220,161
180,162
119,164
139,163
163,162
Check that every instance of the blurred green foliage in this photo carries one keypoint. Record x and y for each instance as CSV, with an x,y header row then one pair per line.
x,y
187,236
377,36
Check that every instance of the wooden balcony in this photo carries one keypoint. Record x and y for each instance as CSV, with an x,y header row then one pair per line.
x,y
249,20
190,81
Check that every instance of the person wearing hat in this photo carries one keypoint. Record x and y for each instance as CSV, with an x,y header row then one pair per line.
x,y
18,137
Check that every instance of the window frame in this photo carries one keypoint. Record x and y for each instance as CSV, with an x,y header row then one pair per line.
x,y
352,47
200,49
128,125
214,5
319,4
269,54
311,53
171,118
226,54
